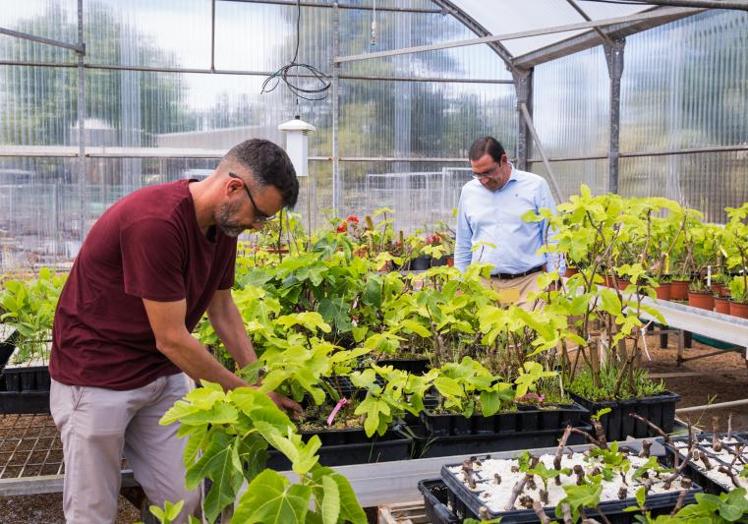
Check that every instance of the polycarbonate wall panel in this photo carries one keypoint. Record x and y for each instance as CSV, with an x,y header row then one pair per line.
x,y
55,19
571,105
685,84
262,37
572,174
191,111
40,219
420,193
166,33
416,119
708,182
38,105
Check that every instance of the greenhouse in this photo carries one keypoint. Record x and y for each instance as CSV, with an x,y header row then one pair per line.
x,y
418,261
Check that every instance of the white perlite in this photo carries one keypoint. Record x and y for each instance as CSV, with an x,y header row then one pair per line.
x,y
496,496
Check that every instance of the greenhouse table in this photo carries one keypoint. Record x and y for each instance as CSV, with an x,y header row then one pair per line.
x,y
718,326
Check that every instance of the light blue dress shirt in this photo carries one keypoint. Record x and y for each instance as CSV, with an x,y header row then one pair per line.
x,y
496,217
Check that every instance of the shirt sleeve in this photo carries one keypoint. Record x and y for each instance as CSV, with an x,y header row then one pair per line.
x,y
463,236
554,261
153,260
227,280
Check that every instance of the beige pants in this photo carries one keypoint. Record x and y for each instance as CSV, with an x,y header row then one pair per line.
x,y
516,291
98,425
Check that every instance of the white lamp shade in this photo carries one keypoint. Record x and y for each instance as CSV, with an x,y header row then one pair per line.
x,y
297,144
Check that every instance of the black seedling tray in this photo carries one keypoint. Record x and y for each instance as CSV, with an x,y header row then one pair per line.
x,y
467,504
394,445
525,419
693,471
24,390
427,447
435,499
658,409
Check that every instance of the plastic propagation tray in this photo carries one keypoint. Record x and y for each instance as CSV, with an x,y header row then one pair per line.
x,y
467,504
696,470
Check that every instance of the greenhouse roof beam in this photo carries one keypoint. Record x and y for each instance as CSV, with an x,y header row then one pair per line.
x,y
605,39
472,24
657,17
654,15
393,9
78,48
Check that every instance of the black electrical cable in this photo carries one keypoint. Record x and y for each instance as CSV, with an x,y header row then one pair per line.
x,y
293,68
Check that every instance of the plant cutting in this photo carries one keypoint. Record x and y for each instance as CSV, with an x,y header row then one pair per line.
x,y
602,479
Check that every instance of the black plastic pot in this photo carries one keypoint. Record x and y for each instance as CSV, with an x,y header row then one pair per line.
x,y
419,263
658,409
466,504
435,499
393,445
7,347
416,366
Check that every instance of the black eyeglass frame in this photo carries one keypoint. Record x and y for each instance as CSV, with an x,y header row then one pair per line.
x,y
260,215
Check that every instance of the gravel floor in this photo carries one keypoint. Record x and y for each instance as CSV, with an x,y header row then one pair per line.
x,y
715,379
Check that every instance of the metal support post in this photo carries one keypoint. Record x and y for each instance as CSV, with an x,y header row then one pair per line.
x,y
335,109
614,58
553,182
523,86
81,125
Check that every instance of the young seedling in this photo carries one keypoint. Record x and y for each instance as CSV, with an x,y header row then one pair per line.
x,y
537,507
644,452
705,460
497,478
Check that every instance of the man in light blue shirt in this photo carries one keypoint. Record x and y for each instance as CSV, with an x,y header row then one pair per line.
x,y
490,210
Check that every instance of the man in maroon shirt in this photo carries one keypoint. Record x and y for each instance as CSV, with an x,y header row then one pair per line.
x,y
150,267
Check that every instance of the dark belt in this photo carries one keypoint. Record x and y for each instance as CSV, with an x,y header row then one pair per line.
x,y
507,276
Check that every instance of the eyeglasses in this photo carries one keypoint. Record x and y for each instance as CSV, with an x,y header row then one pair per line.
x,y
488,173
260,216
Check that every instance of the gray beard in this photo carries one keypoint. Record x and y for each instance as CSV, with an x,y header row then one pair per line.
x,y
225,221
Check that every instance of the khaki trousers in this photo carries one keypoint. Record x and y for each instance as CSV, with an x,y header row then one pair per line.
x,y
516,291
98,425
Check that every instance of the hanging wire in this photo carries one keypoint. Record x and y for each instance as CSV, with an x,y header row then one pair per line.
x,y
294,68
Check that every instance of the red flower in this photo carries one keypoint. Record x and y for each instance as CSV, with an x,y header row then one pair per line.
x,y
343,227
353,219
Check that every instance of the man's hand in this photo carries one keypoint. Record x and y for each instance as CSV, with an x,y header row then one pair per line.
x,y
285,403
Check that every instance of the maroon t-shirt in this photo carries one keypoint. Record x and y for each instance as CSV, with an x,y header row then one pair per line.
x,y
147,245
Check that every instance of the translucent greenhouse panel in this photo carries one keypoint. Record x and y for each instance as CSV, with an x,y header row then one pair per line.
x,y
55,19
192,111
401,30
167,33
421,194
40,221
708,182
571,175
262,37
38,106
571,105
413,119
693,94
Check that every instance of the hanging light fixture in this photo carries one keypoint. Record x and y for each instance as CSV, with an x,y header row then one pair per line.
x,y
297,143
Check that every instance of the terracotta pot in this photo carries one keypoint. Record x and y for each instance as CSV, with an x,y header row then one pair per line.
x,y
663,291
451,261
623,283
738,310
721,290
679,290
571,271
722,305
701,300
